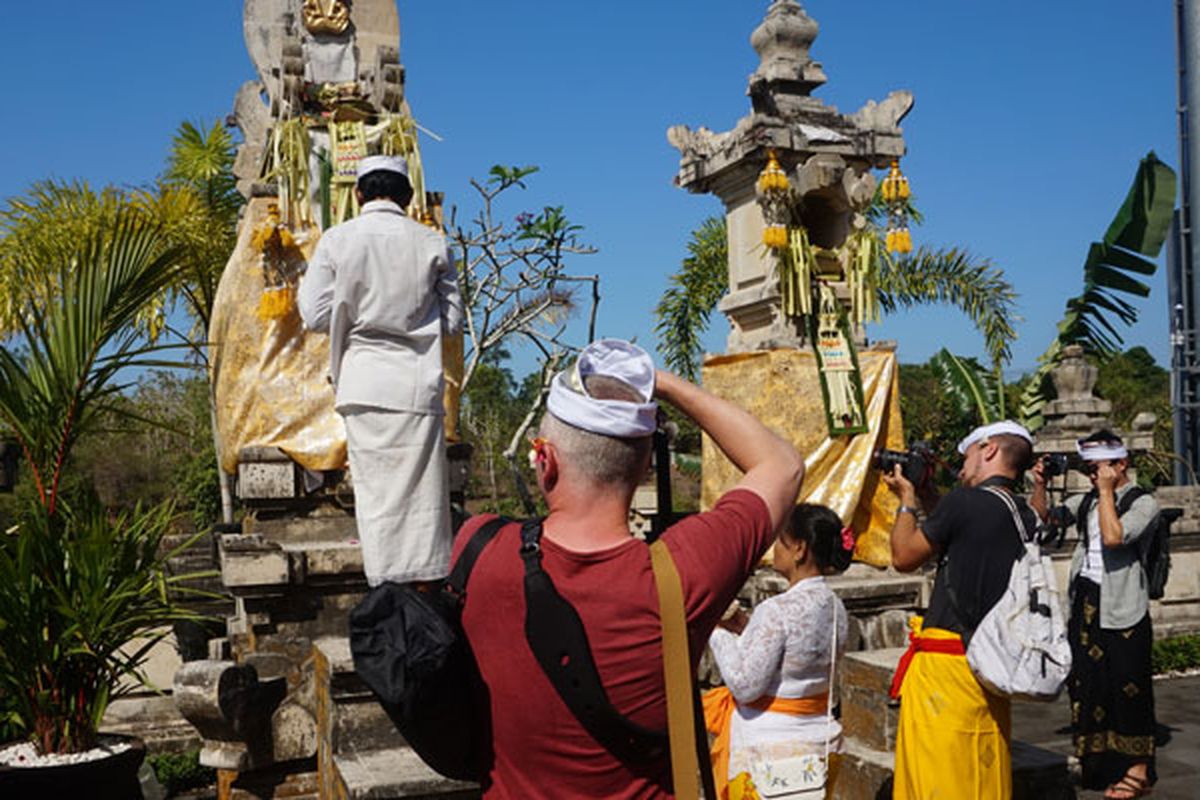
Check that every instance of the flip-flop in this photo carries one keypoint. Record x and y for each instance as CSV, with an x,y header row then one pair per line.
x,y
1132,784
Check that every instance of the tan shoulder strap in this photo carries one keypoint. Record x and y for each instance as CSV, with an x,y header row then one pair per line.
x,y
677,673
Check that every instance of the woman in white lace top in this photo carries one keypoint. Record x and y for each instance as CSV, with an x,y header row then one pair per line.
x,y
776,665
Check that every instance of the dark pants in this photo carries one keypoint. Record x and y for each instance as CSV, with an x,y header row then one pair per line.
x,y
1112,691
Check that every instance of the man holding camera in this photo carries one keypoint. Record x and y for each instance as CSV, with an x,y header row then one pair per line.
x,y
1112,699
592,452
953,735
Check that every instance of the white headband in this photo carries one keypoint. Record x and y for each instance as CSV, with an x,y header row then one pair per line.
x,y
995,429
381,164
613,358
1112,450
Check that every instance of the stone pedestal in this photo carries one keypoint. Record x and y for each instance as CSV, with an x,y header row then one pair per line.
x,y
869,718
1076,412
279,708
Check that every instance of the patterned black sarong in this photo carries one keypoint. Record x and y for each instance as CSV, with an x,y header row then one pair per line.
x,y
1112,692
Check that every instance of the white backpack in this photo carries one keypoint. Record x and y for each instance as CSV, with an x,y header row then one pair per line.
x,y
1020,648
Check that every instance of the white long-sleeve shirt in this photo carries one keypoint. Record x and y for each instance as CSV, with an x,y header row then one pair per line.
x,y
385,288
784,651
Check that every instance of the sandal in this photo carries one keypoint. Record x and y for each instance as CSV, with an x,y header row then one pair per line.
x,y
1131,787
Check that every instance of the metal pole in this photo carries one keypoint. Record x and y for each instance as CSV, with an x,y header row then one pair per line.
x,y
1186,302
1178,339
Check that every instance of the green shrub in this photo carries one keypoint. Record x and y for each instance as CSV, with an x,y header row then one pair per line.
x,y
1175,654
178,772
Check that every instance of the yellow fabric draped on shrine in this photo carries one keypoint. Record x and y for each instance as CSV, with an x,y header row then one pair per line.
x,y
782,388
269,376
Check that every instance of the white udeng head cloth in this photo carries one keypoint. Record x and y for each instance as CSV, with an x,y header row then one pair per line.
x,y
1103,450
995,429
613,358
381,164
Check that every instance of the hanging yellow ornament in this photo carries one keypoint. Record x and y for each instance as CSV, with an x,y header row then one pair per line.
x,y
895,185
774,197
280,256
895,192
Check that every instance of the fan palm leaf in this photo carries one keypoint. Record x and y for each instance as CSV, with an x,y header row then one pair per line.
x,y
694,291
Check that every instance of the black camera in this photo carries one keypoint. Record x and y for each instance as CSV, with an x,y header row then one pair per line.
x,y
1053,465
916,464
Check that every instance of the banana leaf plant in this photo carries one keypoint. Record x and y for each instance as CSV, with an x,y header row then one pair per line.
x,y
84,593
1111,275
976,390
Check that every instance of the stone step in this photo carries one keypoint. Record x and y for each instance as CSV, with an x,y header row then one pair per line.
x,y
153,718
1037,773
869,715
395,773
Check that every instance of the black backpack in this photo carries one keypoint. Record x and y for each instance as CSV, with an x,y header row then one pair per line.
x,y
1153,546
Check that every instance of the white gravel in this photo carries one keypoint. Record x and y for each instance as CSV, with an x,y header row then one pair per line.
x,y
24,754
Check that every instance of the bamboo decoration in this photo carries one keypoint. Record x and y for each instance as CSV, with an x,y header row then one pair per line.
x,y
837,361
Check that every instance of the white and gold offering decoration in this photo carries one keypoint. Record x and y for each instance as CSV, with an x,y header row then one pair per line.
x,y
281,259
326,17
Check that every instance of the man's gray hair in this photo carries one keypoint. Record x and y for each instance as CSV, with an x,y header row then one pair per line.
x,y
599,459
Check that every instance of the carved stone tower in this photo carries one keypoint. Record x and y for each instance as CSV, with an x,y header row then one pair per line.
x,y
828,157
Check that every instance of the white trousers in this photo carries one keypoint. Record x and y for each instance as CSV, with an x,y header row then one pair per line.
x,y
401,493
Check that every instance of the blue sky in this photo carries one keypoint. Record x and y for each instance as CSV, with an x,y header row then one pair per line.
x,y
1030,118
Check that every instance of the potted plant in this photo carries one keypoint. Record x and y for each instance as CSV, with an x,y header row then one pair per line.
x,y
79,585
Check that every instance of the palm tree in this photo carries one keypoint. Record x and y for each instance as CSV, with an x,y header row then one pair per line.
x,y
76,344
77,585
926,276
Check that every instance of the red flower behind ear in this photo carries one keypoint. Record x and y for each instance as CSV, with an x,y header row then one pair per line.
x,y
847,538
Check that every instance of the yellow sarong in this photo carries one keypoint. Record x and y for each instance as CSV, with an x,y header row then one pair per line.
x,y
719,706
953,737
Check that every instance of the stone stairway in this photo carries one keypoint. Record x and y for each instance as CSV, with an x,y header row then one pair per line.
x,y
869,720
360,755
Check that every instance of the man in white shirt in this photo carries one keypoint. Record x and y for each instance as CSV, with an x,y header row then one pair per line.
x,y
385,289
1111,683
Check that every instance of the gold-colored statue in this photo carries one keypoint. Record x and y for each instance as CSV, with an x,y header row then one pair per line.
x,y
326,16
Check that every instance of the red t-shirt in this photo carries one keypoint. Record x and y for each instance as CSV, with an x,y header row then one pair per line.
x,y
540,750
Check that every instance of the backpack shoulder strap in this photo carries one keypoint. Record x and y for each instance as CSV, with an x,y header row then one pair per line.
x,y
1008,501
1081,515
1129,498
461,573
558,640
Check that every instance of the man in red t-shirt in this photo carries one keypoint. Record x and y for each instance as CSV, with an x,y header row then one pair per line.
x,y
593,449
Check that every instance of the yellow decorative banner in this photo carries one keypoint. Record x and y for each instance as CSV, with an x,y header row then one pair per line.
x,y
783,389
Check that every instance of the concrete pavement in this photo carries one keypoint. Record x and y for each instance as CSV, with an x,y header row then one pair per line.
x,y
1177,706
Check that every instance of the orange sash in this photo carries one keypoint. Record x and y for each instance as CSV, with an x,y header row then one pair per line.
x,y
719,706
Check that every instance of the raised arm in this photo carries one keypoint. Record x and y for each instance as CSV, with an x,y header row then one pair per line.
x,y
773,469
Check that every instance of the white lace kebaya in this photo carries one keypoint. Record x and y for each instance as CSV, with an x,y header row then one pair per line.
x,y
783,652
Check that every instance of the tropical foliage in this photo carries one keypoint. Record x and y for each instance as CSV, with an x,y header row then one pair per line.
x,y
78,584
684,310
1134,237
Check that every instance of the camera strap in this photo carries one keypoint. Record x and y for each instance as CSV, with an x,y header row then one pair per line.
x,y
557,638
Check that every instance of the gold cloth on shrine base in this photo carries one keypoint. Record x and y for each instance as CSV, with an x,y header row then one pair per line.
x,y
782,388
269,377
